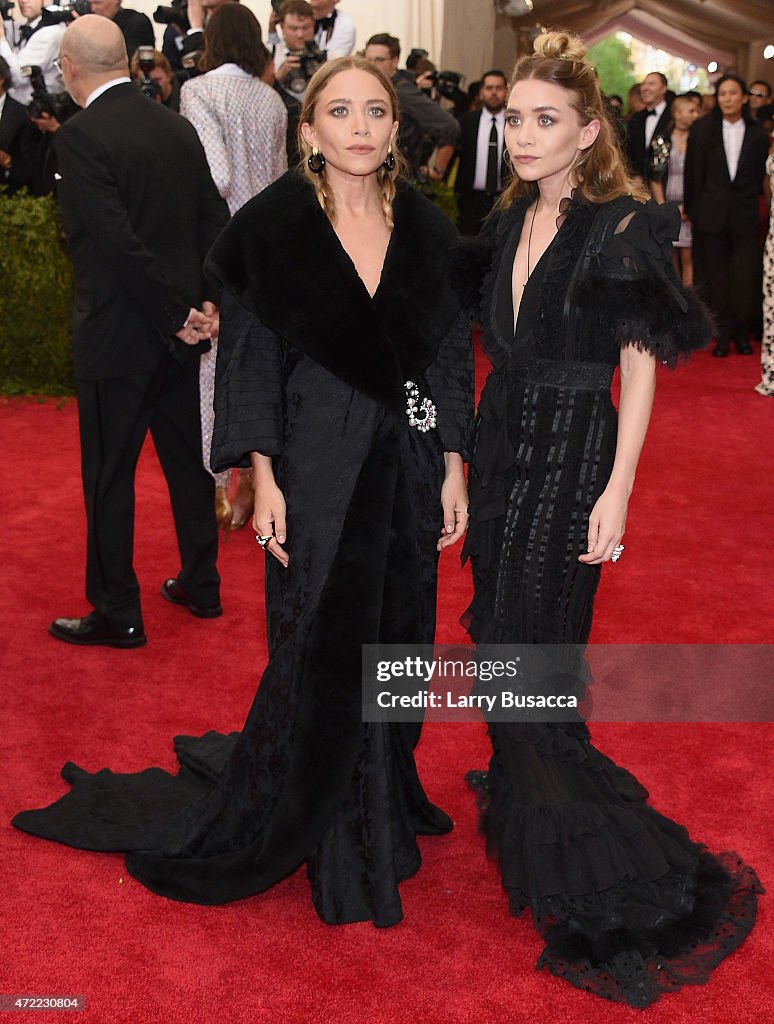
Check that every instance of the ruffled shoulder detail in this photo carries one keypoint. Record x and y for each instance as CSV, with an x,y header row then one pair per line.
x,y
634,290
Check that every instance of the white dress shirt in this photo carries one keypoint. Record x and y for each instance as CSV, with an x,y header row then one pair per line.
x,y
341,41
482,148
652,121
733,138
104,88
42,48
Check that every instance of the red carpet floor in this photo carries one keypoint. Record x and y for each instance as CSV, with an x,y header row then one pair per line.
x,y
698,568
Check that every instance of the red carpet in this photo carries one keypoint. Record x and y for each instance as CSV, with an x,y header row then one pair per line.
x,y
698,568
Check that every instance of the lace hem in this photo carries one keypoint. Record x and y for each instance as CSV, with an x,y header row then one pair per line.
x,y
637,965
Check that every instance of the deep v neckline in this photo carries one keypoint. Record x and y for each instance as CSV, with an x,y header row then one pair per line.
x,y
532,282
388,252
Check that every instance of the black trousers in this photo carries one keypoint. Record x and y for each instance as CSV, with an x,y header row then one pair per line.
x,y
473,207
114,418
730,273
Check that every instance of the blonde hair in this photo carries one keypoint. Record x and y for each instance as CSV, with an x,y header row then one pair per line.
x,y
559,58
385,179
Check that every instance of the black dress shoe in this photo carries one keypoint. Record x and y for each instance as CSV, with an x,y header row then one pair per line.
x,y
93,630
175,594
744,348
721,349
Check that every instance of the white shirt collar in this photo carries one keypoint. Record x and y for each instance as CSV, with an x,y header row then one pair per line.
x,y
104,88
734,126
2,101
35,22
232,70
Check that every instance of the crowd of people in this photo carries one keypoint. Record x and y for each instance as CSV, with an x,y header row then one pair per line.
x,y
311,329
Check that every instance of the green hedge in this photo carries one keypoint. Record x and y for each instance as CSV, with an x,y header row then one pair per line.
x,y
36,298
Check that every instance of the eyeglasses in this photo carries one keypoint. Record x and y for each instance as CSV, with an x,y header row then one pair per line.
x,y
760,95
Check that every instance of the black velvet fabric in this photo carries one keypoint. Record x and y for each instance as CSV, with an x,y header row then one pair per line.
x,y
629,906
311,371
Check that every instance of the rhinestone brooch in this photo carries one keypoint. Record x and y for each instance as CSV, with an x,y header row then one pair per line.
x,y
421,413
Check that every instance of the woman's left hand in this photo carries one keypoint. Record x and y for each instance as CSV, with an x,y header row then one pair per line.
x,y
454,501
606,525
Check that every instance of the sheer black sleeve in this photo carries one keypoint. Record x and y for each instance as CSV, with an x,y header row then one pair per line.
x,y
451,382
249,388
638,290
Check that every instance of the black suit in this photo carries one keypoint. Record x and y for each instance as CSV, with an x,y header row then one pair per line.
x,y
637,151
18,138
473,204
140,211
724,215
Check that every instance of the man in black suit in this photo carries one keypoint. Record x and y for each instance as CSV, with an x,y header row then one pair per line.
x,y
18,139
140,211
482,171
724,172
652,120
136,27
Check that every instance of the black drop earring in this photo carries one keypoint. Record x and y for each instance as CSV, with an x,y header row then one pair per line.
x,y
389,160
316,161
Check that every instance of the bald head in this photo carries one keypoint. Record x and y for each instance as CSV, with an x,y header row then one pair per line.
x,y
96,46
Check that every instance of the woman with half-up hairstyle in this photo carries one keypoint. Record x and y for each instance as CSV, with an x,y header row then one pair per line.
x,y
578,279
345,383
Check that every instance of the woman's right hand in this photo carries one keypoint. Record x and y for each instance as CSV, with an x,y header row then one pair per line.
x,y
269,517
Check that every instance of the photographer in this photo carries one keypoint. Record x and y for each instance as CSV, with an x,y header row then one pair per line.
x,y
17,138
166,84
296,58
136,27
34,42
422,120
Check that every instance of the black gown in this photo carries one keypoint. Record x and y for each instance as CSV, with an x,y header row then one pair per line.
x,y
311,371
628,905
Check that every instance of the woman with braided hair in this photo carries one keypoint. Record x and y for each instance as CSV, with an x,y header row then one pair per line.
x,y
337,320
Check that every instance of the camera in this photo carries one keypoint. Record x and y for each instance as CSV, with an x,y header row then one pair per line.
x,y
175,14
311,58
6,6
55,104
447,83
58,14
146,62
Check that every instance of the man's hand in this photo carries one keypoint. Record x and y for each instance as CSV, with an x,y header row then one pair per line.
x,y
46,123
5,160
211,310
196,328
293,61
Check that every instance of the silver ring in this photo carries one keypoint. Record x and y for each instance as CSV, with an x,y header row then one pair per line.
x,y
264,541
618,550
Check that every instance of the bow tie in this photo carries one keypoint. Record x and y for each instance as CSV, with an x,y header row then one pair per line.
x,y
25,31
325,23
651,112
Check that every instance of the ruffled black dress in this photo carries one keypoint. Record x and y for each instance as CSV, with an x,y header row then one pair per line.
x,y
628,905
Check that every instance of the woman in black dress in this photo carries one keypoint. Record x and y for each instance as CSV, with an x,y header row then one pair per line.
x,y
579,278
336,295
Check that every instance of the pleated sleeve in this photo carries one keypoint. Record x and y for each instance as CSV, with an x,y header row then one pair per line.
x,y
249,388
451,382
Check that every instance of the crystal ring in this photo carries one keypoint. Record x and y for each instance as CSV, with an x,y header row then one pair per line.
x,y
617,552
264,541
